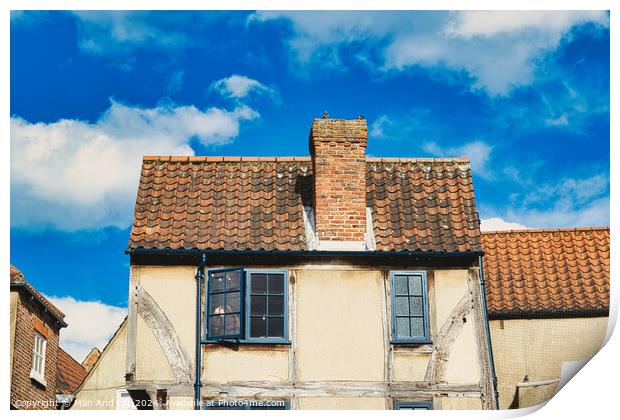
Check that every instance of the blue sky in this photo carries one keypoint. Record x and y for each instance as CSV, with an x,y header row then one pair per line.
x,y
525,95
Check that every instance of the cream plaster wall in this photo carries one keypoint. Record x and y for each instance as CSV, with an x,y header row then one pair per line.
x,y
339,327
537,348
341,403
247,364
98,392
461,403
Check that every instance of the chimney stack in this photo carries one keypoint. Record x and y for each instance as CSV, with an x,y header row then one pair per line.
x,y
338,151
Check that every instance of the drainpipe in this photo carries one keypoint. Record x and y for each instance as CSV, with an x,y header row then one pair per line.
x,y
197,384
486,323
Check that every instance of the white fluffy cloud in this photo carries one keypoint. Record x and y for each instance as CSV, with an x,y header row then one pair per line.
x,y
238,87
571,202
91,324
478,152
497,223
497,49
74,175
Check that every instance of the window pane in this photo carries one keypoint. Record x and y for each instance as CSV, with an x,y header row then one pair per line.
x,y
216,304
402,327
417,327
415,285
216,325
276,327
400,284
276,284
217,282
415,305
276,305
233,280
258,327
233,302
402,306
259,284
233,326
258,305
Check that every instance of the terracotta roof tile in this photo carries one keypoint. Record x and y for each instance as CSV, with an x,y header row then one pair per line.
x,y
71,373
546,271
235,203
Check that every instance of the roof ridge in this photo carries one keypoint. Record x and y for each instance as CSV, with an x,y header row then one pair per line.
x,y
227,158
425,160
547,230
187,158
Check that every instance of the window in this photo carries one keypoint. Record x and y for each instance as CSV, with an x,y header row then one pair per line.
x,y
124,400
225,295
246,405
251,306
38,359
266,301
409,307
414,406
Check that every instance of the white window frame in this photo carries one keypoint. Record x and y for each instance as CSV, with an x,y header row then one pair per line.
x,y
38,358
124,400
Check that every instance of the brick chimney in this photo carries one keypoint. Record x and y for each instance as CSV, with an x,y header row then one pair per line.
x,y
338,151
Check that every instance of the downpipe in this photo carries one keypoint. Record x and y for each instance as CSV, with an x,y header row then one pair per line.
x,y
486,323
198,358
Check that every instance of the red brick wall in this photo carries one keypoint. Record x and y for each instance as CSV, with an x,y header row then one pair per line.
x,y
338,150
29,316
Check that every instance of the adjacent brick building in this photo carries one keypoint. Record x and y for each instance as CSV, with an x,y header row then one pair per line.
x,y
35,328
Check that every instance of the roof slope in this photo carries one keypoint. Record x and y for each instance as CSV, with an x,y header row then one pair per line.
x,y
539,273
71,373
228,203
17,279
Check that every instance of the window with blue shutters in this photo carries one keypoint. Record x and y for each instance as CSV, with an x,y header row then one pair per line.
x,y
409,307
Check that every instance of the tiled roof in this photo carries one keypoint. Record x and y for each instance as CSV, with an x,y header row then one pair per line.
x,y
71,373
552,271
17,279
234,203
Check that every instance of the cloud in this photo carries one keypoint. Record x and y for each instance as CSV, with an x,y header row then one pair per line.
x,y
74,175
175,82
118,32
478,152
497,50
468,24
91,324
497,223
570,202
565,214
238,87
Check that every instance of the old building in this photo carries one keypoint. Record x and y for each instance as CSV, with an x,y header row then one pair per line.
x,y
70,376
330,281
35,325
548,304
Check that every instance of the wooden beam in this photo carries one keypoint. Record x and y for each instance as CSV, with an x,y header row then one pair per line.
x,y
132,319
287,389
165,334
438,362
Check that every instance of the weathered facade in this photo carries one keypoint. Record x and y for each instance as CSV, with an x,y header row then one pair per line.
x,y
35,325
335,281
548,303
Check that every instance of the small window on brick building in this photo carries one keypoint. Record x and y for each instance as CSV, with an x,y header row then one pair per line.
x,y
38,358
